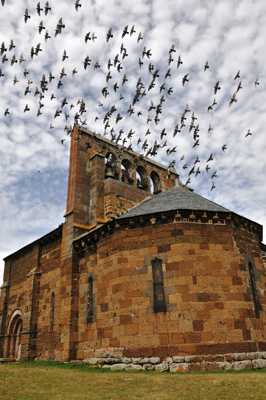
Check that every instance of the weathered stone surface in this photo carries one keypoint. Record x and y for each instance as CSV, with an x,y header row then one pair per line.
x,y
252,356
180,367
238,365
92,361
134,367
154,360
145,360
126,360
162,367
136,360
169,360
149,367
117,367
259,363
239,356
178,359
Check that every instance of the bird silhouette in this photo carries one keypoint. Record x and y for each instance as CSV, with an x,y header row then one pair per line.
x,y
249,133
237,76
217,87
109,35
233,99
39,9
206,66
185,79
77,5
179,62
26,15
47,8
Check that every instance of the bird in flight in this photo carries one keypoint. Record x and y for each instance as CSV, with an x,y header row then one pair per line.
x,y
77,5
26,15
249,133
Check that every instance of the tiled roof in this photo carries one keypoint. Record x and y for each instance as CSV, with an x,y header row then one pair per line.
x,y
178,198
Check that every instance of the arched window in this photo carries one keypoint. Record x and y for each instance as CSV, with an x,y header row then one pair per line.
x,y
52,312
155,185
111,170
159,303
253,288
142,181
126,172
90,300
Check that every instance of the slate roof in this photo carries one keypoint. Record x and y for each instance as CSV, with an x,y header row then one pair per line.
x,y
178,198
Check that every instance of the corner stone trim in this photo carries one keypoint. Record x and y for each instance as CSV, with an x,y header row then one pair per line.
x,y
231,361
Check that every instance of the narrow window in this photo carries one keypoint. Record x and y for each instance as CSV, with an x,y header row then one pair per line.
x,y
90,300
254,291
155,185
159,304
52,311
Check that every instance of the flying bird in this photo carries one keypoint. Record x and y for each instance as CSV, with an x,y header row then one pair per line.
x,y
39,9
217,87
237,76
206,66
179,62
77,5
233,99
140,37
47,8
185,79
65,56
125,31
26,15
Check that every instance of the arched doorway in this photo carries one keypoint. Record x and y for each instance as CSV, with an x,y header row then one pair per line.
x,y
15,333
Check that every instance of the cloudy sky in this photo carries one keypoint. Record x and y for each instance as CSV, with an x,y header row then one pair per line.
x,y
229,34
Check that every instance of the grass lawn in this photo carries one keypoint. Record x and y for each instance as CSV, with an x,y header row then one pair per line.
x,y
44,380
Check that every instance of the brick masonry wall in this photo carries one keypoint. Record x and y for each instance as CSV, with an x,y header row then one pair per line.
x,y
34,273
48,340
209,304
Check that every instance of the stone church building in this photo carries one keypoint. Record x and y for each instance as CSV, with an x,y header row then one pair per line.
x,y
141,267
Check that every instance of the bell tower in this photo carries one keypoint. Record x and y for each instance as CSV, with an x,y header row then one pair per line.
x,y
105,179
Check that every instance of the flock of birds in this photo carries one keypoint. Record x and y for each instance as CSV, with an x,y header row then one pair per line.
x,y
151,81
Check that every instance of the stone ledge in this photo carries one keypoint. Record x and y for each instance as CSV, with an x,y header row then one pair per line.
x,y
231,361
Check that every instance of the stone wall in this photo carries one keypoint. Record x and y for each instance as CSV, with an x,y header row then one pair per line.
x,y
175,364
92,197
209,303
30,276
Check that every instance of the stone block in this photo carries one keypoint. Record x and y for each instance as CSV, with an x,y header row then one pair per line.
x,y
178,359
126,360
117,367
148,367
252,356
155,360
239,365
239,356
162,367
259,363
180,367
133,367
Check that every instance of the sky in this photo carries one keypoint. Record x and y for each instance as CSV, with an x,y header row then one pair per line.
x,y
34,149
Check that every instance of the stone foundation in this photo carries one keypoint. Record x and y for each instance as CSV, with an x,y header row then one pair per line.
x,y
231,361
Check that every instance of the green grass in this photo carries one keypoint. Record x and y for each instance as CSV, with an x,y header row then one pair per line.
x,y
57,381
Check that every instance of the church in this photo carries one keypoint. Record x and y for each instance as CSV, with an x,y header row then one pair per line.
x,y
141,267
